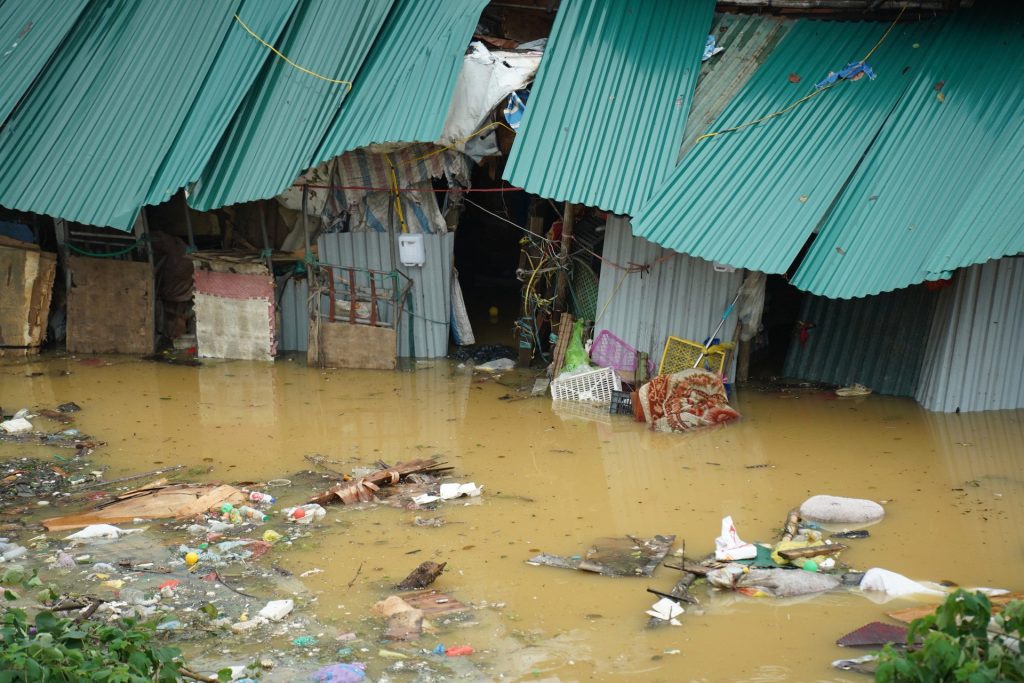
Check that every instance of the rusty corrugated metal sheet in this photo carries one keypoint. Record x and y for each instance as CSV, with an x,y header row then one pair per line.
x,y
606,113
403,90
975,355
878,341
752,197
680,296
747,40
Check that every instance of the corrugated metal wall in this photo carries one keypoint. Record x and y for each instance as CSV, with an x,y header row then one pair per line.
x,y
975,355
430,294
680,296
878,341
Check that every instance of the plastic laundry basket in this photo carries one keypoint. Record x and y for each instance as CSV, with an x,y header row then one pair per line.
x,y
611,352
680,354
594,387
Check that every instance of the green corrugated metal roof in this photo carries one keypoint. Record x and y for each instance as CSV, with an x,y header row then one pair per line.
x,y
89,136
747,40
942,186
226,83
30,32
282,121
606,114
403,91
751,198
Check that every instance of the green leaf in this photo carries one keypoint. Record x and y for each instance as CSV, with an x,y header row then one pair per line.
x,y
10,595
224,675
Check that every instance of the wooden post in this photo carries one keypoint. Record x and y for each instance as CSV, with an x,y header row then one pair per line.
x,y
568,221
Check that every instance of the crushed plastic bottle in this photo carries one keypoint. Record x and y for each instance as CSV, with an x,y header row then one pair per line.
x,y
261,498
251,514
305,514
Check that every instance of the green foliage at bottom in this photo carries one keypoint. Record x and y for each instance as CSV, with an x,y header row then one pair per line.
x,y
51,649
962,642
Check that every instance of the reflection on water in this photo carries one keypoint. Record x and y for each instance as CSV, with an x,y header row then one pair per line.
x,y
952,487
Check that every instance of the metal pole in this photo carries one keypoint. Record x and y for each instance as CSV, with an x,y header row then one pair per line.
x,y
188,224
266,240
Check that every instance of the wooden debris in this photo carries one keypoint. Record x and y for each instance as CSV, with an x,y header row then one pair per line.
x,y
422,576
174,501
405,622
57,417
812,551
434,603
364,488
909,614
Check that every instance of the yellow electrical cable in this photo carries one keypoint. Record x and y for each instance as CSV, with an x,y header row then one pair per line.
x,y
614,292
398,197
492,124
806,97
290,62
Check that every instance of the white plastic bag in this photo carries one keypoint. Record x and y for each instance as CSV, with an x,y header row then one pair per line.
x,y
729,547
893,584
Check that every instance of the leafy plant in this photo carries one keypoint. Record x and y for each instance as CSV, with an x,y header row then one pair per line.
x,y
961,642
53,649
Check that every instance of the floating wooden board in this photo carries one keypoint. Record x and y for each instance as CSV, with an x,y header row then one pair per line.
x,y
176,501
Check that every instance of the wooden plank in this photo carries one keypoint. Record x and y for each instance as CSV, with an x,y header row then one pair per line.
x,y
110,306
433,603
340,345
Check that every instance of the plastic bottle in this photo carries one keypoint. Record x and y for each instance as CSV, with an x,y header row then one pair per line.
x,y
261,498
305,514
252,514
234,516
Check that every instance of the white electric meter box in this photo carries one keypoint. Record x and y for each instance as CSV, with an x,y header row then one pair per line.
x,y
411,251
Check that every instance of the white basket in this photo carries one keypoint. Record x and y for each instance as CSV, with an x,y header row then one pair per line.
x,y
587,387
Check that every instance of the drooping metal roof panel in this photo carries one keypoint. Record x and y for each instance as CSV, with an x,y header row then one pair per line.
x,y
282,121
746,41
606,113
89,136
941,187
30,32
227,82
403,90
750,198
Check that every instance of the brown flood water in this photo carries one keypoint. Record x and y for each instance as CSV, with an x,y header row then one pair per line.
x,y
953,486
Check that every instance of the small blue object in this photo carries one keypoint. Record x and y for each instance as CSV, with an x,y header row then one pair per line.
x,y
516,107
439,650
710,49
848,72
172,625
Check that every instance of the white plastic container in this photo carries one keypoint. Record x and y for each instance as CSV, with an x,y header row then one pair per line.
x,y
411,251
276,610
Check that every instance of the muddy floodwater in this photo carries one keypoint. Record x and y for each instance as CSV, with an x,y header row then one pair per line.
x,y
952,486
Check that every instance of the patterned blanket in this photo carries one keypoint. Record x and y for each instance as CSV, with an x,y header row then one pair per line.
x,y
688,399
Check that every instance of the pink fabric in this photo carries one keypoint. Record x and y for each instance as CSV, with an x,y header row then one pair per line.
x,y
234,285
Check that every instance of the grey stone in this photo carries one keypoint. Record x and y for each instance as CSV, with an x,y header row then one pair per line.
x,y
836,510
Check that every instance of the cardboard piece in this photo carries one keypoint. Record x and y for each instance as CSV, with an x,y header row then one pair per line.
x,y
26,279
175,501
